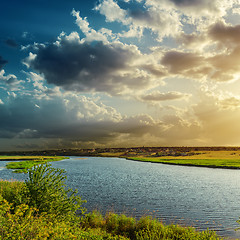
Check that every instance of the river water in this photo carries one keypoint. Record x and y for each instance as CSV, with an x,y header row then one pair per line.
x,y
200,197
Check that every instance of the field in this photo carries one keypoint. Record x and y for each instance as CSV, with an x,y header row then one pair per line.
x,y
215,159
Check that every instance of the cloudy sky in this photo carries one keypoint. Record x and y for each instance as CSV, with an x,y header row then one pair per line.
x,y
119,73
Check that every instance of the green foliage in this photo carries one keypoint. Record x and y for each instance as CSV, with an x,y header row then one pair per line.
x,y
152,229
13,192
120,224
23,166
47,192
144,229
24,224
93,219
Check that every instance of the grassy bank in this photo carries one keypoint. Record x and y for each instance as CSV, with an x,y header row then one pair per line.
x,y
42,208
21,164
214,159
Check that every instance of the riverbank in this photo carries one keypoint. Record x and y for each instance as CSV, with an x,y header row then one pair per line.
x,y
212,157
226,159
209,163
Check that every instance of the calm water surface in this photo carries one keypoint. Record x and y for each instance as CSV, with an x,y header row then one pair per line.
x,y
201,197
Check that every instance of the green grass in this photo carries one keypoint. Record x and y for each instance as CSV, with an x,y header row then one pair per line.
x,y
20,219
214,159
24,163
145,228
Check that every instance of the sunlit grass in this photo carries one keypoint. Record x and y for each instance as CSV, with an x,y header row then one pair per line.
x,y
23,163
221,159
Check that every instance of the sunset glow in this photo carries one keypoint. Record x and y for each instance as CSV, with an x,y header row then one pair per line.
x,y
119,73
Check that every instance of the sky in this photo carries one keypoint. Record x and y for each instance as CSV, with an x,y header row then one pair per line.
x,y
119,73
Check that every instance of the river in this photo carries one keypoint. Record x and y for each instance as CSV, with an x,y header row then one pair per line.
x,y
200,197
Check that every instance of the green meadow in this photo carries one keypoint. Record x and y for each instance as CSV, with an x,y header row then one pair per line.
x,y
21,164
43,208
214,159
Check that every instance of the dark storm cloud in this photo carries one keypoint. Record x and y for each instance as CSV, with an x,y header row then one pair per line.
x,y
11,43
83,66
2,62
20,118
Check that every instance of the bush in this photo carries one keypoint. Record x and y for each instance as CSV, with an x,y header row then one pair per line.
x,y
146,228
13,192
120,224
93,219
46,191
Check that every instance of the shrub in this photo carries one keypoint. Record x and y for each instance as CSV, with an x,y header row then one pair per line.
x,y
146,228
13,192
46,191
120,224
93,219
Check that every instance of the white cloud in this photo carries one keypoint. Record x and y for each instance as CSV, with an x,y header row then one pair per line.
x,y
111,10
4,77
164,22
159,20
90,33
10,81
28,59
63,78
113,68
236,10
